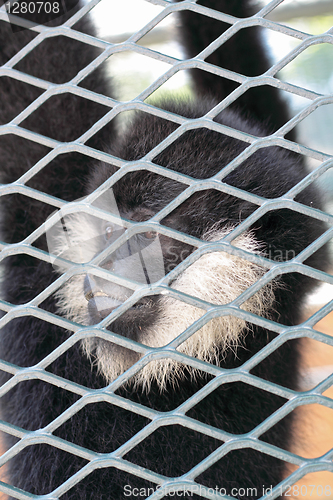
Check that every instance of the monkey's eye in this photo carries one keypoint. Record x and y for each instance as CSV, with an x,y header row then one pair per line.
x,y
108,232
150,235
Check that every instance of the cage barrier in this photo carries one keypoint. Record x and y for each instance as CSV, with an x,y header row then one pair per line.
x,y
88,205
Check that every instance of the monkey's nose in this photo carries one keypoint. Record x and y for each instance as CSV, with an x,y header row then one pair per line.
x,y
91,288
100,304
108,264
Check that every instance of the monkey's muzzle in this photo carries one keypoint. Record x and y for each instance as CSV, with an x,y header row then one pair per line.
x,y
100,304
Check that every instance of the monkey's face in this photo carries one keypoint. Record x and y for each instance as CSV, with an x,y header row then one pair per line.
x,y
121,255
125,279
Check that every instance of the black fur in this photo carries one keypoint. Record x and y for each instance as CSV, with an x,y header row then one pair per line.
x,y
243,54
235,407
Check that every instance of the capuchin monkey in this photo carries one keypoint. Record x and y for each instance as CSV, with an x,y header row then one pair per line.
x,y
128,274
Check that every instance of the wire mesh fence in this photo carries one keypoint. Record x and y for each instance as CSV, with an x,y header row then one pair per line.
x,y
88,205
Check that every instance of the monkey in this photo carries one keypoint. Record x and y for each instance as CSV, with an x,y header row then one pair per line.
x,y
162,307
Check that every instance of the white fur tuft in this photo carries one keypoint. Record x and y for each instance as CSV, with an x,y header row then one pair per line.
x,y
218,278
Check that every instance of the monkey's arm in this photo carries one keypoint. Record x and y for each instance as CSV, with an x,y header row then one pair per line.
x,y
243,53
63,116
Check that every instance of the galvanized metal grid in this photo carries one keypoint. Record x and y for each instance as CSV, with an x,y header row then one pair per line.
x,y
222,376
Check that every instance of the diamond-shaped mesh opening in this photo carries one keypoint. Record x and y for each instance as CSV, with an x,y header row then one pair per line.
x,y
177,82
238,403
73,106
20,149
62,360
166,24
135,150
229,484
165,440
78,168
290,348
48,51
131,59
306,64
123,426
190,154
